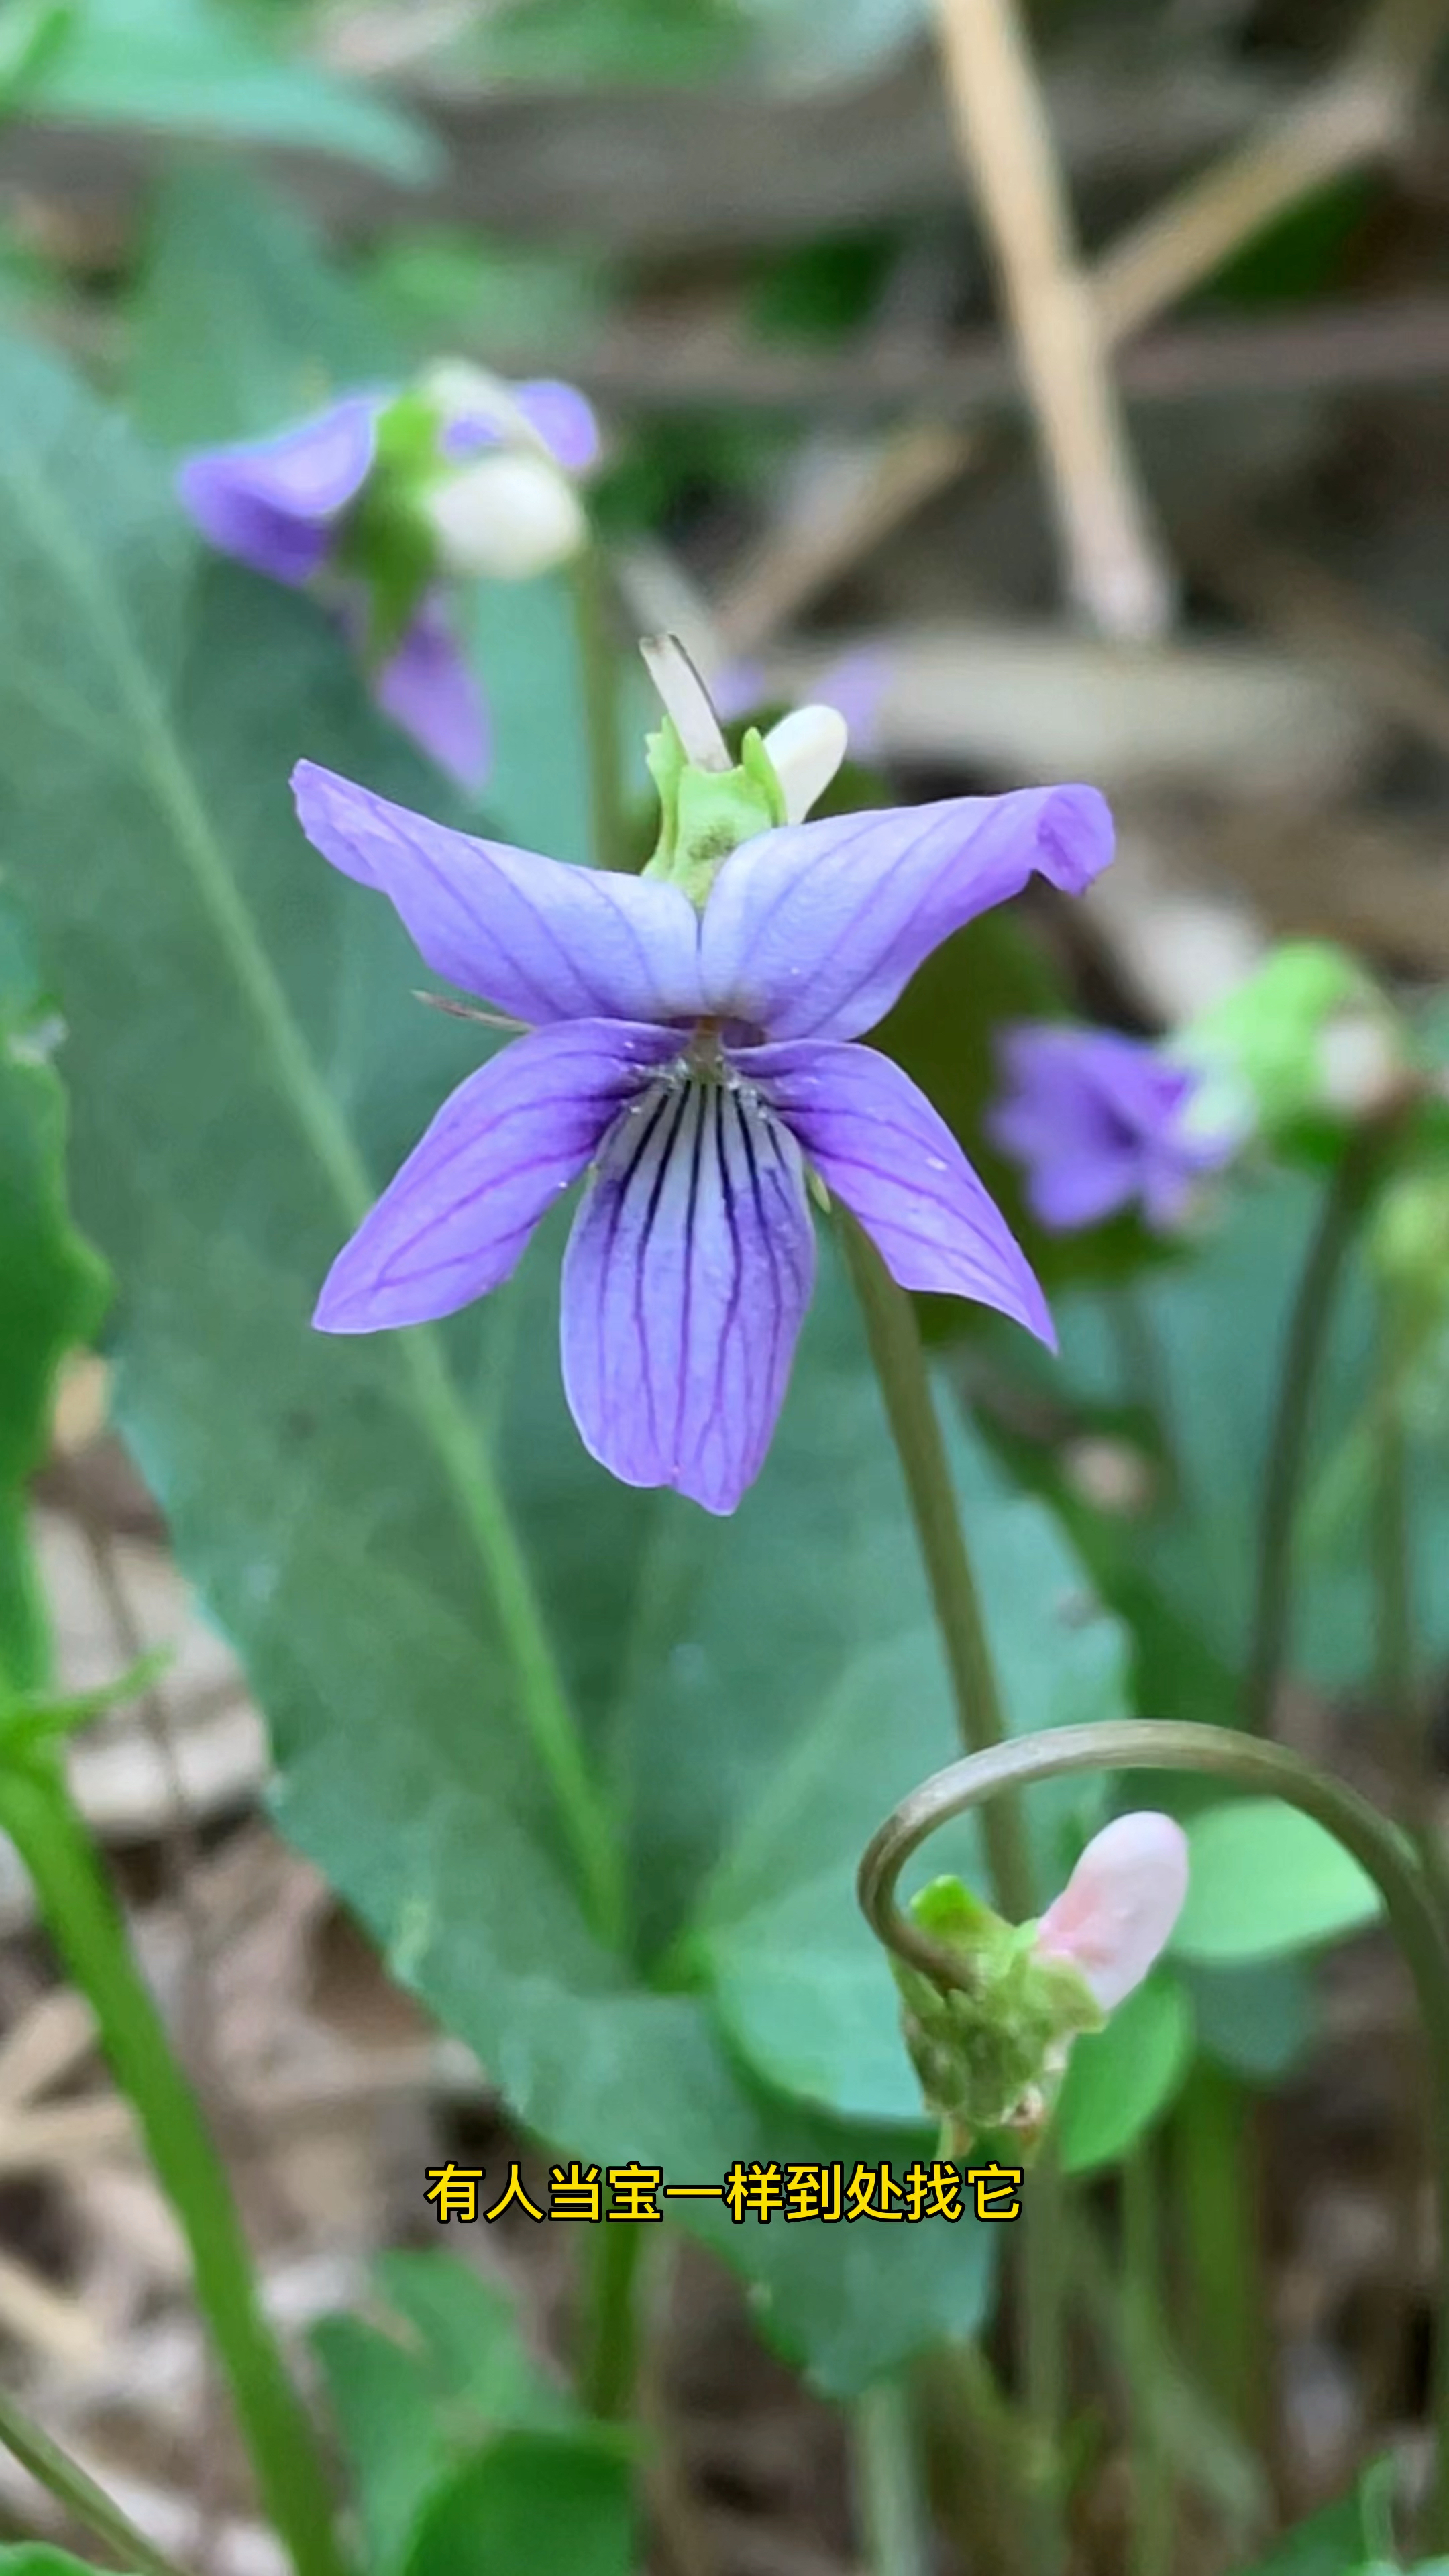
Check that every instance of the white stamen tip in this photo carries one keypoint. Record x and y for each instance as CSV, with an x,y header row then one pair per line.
x,y
686,702
806,748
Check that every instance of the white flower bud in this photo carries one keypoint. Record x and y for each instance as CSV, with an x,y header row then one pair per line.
x,y
806,749
506,517
1115,1915
1360,1062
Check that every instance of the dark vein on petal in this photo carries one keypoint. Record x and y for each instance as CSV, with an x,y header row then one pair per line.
x,y
686,1301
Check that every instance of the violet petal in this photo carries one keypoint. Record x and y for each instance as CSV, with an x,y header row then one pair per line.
x,y
431,690
272,501
501,1150
815,929
879,1145
687,1274
543,941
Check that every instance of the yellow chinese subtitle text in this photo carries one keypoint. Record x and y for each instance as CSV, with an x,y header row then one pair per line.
x,y
634,2195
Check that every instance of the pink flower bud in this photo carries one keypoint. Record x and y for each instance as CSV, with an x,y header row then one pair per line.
x,y
1115,1915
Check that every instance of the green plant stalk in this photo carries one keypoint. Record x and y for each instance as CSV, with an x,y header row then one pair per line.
x,y
900,1364
1152,2501
608,2365
893,2519
81,1915
1345,1203
1396,1649
1217,2166
1218,1753
74,2487
599,676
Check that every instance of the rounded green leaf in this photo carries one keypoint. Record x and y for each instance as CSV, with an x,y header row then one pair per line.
x,y
1121,2079
1266,1880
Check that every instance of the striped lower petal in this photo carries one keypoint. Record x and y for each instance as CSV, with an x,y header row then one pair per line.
x,y
687,1275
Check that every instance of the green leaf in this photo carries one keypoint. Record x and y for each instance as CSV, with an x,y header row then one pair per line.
x,y
396,2447
240,321
194,67
32,31
800,1978
402,1534
522,637
1119,2080
33,2558
1182,1573
52,1291
1330,2543
1266,1880
1258,2021
533,2500
465,2330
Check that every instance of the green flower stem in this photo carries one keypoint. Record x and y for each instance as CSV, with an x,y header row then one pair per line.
x,y
1153,1744
81,1915
894,2522
1345,1204
1215,2140
1152,2500
609,2343
599,673
1395,1626
74,2487
900,1363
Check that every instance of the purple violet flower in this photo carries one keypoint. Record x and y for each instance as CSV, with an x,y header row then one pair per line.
x,y
1100,1121
500,505
695,1061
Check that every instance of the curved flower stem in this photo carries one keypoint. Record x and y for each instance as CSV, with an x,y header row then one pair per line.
x,y
1154,1744
900,1363
1344,1205
599,673
80,1913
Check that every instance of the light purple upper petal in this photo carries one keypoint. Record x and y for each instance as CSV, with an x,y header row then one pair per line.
x,y
431,690
815,929
543,941
454,1222
687,1274
271,502
878,1144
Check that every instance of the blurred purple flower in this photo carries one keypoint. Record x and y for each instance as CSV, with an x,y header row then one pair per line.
x,y
697,1061
280,504
1100,1121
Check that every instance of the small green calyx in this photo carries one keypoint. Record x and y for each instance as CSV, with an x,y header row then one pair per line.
x,y
990,2052
388,543
707,813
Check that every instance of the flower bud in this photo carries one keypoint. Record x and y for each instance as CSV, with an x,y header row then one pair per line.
x,y
1309,1040
1115,1915
991,2049
505,518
